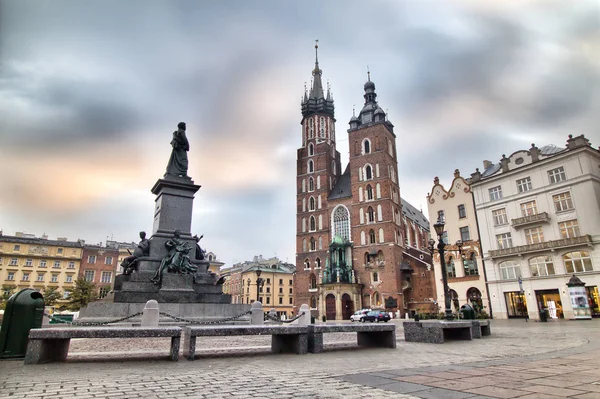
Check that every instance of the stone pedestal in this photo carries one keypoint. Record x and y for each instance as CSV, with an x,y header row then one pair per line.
x,y
173,209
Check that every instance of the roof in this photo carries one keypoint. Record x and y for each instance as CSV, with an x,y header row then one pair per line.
x,y
40,241
342,188
413,214
551,149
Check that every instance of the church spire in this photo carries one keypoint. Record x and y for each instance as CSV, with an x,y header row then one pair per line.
x,y
316,102
317,87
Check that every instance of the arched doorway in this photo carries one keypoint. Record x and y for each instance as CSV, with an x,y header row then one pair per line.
x,y
347,307
330,307
474,296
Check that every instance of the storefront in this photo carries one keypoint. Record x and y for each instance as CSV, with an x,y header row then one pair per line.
x,y
516,304
594,300
550,301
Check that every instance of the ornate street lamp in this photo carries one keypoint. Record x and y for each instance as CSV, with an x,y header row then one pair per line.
x,y
439,230
259,283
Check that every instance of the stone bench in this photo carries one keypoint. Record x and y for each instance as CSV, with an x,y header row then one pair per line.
x,y
481,328
284,339
368,335
52,344
436,332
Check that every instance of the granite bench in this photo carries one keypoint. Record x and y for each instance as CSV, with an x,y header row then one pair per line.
x,y
52,344
284,339
481,328
436,332
368,335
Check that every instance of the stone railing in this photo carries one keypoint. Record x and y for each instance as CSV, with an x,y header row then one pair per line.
x,y
525,220
542,246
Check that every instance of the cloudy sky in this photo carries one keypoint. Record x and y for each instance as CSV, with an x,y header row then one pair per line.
x,y
91,91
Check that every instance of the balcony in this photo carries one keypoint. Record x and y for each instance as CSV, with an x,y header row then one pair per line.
x,y
542,246
531,219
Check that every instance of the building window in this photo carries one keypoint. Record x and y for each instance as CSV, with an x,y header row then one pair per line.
x,y
462,211
464,234
541,266
369,192
504,240
311,149
54,278
25,277
92,259
43,263
371,215
318,263
372,237
13,262
311,166
71,265
291,301
291,282
367,146
108,260
529,208
556,175
500,217
441,217
341,222
577,262
562,202
28,262
311,184
569,229
88,275
103,292
281,301
106,277
10,276
313,244
17,248
313,223
450,268
40,277
368,172
495,193
321,128
470,266
291,290
311,204
280,281
524,185
56,264
59,251
509,270
534,235
313,282
69,278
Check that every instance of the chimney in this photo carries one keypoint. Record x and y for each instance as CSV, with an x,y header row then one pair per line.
x,y
487,164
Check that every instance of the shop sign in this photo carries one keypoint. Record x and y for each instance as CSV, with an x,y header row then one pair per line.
x,y
579,302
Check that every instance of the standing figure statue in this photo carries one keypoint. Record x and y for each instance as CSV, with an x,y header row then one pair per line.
x,y
178,162
129,264
199,251
177,260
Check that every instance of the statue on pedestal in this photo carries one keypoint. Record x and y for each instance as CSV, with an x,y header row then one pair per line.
x,y
177,260
199,251
129,264
178,162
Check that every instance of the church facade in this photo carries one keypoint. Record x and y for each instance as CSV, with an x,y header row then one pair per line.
x,y
356,245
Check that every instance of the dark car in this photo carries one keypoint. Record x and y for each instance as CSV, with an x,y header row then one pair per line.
x,y
376,315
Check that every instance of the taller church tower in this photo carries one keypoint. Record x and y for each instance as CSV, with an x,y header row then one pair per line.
x,y
318,170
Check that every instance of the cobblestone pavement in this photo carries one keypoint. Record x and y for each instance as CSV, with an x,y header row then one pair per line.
x,y
525,360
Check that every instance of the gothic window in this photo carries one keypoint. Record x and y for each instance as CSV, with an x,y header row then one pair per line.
x,y
303,204
377,170
379,213
311,204
341,222
311,128
320,222
375,277
369,192
304,225
368,172
311,184
313,302
320,242
313,282
318,182
366,147
311,166
372,236
378,190
313,224
304,245
318,263
360,194
319,201
313,244
306,264
363,241
311,149
303,185
322,126
381,237
371,215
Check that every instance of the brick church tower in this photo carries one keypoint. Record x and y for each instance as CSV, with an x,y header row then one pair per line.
x,y
351,233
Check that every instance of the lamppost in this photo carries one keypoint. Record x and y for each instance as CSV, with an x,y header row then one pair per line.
x,y
441,247
259,283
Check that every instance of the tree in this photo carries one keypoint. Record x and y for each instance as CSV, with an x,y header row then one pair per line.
x,y
7,291
51,295
83,293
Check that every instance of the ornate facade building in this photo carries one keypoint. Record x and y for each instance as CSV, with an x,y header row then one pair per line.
x,y
351,229
539,219
98,266
464,265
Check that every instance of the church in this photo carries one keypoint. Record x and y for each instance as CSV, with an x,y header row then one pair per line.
x,y
358,243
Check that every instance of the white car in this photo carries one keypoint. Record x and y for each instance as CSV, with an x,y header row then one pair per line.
x,y
359,314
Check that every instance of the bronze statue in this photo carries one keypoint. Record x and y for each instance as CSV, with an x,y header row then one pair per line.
x,y
178,162
177,260
199,251
129,264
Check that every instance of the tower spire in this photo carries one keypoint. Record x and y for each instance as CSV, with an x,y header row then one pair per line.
x,y
317,87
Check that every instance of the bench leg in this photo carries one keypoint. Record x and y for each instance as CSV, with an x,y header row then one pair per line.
x,y
476,331
189,347
415,332
382,339
289,343
47,350
175,342
315,342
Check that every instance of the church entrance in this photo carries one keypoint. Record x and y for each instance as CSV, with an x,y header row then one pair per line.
x,y
347,307
330,307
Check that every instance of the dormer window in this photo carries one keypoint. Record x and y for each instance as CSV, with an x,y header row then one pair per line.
x,y
366,117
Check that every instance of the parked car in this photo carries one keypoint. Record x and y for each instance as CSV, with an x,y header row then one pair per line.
x,y
376,315
359,314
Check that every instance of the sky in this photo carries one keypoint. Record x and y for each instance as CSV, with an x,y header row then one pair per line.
x,y
90,93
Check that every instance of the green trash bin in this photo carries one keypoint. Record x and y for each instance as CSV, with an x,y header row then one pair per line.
x,y
468,313
24,311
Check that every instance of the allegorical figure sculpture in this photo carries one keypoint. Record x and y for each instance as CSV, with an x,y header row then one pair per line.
x,y
199,251
177,260
129,264
178,162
